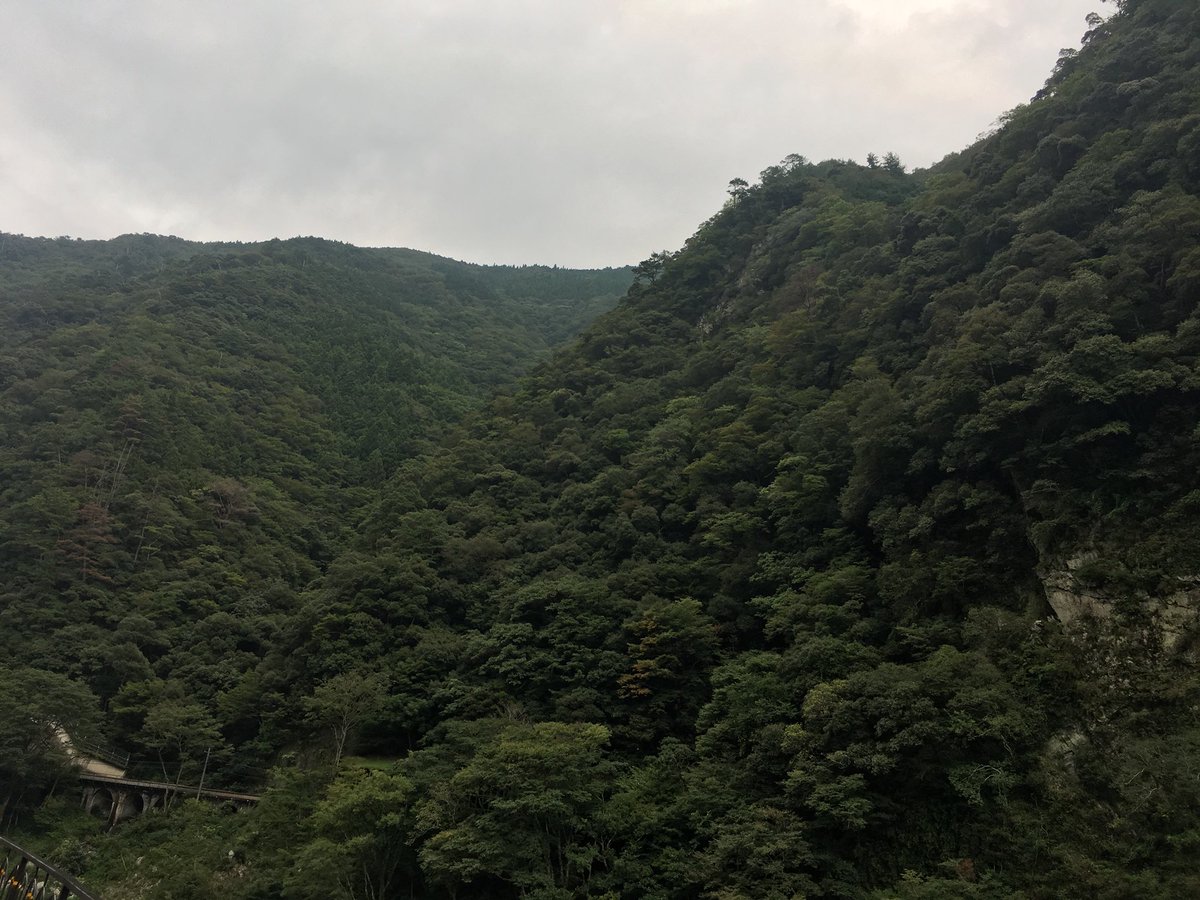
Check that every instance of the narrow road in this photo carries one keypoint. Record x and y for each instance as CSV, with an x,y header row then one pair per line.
x,y
88,762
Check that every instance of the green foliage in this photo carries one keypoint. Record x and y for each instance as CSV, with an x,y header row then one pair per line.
x,y
342,703
522,811
852,555
361,843
188,432
186,734
39,709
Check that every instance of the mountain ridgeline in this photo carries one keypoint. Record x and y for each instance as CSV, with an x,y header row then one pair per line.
x,y
187,431
852,555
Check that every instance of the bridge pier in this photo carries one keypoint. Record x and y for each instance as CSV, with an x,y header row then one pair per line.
x,y
97,800
126,805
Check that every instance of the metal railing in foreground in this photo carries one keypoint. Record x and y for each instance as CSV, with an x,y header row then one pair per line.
x,y
25,877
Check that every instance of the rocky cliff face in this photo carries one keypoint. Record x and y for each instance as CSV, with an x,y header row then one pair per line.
x,y
1073,597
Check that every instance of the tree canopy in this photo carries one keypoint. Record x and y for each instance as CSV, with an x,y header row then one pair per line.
x,y
851,555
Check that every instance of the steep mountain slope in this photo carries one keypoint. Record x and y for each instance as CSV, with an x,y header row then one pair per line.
x,y
186,430
794,523
851,555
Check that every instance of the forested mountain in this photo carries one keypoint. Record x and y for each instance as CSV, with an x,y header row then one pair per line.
x,y
189,431
852,555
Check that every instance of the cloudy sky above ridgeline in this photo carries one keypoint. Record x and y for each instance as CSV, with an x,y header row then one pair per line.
x,y
576,132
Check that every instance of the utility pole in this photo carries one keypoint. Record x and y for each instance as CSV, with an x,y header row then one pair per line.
x,y
203,772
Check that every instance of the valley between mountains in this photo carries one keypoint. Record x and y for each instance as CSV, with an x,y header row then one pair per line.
x,y
848,551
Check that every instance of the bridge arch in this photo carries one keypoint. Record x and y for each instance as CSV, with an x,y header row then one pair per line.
x,y
119,799
99,801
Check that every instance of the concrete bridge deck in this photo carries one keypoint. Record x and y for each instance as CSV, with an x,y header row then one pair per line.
x,y
166,787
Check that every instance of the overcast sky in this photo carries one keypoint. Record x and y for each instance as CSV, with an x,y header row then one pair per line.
x,y
576,132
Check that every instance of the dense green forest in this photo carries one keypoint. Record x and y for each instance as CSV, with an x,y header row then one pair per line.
x,y
852,555
190,432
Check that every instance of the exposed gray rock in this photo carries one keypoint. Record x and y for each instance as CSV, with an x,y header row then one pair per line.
x,y
1177,613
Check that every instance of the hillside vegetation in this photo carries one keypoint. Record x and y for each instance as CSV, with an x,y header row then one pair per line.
x,y
852,555
188,432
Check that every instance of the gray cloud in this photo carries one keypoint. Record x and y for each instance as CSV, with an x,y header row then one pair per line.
x,y
578,132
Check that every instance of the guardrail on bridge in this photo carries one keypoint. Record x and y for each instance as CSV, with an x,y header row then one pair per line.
x,y
104,754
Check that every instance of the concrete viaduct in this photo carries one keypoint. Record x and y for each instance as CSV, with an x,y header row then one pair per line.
x,y
108,793
117,799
